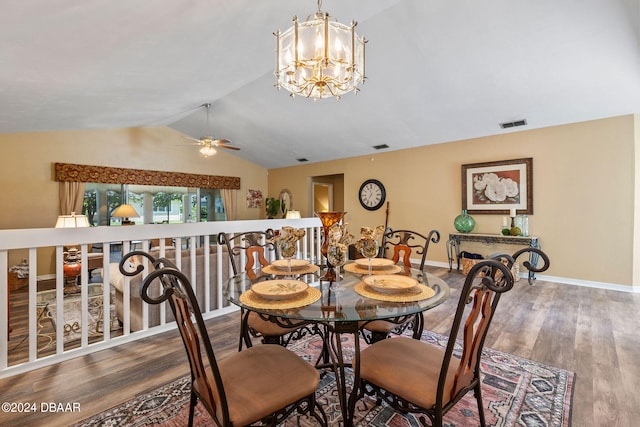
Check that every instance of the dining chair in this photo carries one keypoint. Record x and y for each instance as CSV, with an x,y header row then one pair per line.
x,y
263,384
401,246
414,376
249,252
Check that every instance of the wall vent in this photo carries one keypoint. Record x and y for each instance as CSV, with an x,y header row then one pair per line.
x,y
302,159
517,123
381,146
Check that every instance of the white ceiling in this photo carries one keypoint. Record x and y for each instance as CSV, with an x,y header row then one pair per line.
x,y
438,70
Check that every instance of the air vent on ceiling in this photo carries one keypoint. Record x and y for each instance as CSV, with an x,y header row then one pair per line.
x,y
507,125
381,146
302,159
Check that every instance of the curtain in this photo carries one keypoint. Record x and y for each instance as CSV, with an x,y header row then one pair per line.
x,y
229,202
71,197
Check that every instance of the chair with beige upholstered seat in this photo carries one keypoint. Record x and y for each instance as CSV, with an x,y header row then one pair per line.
x,y
263,384
402,246
254,250
417,377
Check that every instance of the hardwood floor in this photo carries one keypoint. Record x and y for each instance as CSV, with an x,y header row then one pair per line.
x,y
592,332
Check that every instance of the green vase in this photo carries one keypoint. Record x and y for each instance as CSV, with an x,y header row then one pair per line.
x,y
464,223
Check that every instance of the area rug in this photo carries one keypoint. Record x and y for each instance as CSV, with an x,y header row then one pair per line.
x,y
516,392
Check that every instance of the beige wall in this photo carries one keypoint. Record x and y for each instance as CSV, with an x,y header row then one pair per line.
x,y
584,189
584,184
31,195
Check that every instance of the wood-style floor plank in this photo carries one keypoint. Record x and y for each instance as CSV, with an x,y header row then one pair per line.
x,y
592,332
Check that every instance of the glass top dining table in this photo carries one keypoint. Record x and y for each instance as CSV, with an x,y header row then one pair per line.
x,y
339,307
339,302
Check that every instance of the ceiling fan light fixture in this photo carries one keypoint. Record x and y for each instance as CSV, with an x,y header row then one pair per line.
x,y
208,144
207,151
320,57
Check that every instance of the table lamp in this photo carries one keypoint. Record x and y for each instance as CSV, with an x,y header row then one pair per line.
x,y
72,267
72,221
125,212
293,215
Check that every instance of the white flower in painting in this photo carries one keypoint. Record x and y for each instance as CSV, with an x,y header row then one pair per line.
x,y
480,183
511,187
496,191
490,178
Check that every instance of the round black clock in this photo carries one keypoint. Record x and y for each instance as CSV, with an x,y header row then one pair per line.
x,y
372,194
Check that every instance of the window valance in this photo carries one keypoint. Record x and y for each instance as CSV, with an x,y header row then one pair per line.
x,y
109,175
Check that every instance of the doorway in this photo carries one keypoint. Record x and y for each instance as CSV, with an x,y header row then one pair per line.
x,y
327,193
322,196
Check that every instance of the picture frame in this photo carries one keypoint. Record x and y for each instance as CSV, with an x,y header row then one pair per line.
x,y
254,199
497,187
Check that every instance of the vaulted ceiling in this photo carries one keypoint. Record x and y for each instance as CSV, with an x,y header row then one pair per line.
x,y
437,70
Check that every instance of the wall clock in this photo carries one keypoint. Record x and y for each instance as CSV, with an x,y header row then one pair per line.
x,y
372,194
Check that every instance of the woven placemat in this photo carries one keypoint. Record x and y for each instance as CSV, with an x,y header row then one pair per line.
x,y
424,293
355,268
309,268
251,299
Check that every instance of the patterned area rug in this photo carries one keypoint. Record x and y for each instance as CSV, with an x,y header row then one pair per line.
x,y
515,391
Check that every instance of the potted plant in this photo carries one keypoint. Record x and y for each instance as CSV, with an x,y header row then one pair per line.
x,y
273,207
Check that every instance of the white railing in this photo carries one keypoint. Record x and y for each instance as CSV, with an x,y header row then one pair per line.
x,y
191,237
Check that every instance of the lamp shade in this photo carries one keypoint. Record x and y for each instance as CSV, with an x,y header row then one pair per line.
x,y
293,215
125,211
72,221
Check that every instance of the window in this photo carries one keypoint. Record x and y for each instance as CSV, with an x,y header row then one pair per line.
x,y
154,204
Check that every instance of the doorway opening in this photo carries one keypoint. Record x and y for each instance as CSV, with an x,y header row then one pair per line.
x,y
327,193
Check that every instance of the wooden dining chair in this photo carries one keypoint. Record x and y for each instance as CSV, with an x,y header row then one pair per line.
x,y
263,384
401,246
408,245
417,377
249,252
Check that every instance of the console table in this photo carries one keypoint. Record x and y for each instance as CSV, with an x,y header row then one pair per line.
x,y
453,246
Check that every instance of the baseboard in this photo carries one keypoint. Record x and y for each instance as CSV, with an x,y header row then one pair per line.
x,y
563,280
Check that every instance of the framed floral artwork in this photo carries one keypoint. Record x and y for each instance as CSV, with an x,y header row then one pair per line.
x,y
254,198
498,187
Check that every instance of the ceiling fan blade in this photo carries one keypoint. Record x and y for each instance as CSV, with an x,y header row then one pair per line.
x,y
193,139
223,143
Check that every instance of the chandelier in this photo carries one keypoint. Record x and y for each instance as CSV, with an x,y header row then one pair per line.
x,y
320,57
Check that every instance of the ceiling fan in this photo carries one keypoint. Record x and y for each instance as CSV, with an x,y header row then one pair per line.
x,y
208,144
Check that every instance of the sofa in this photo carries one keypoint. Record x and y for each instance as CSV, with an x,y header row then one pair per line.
x,y
117,280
